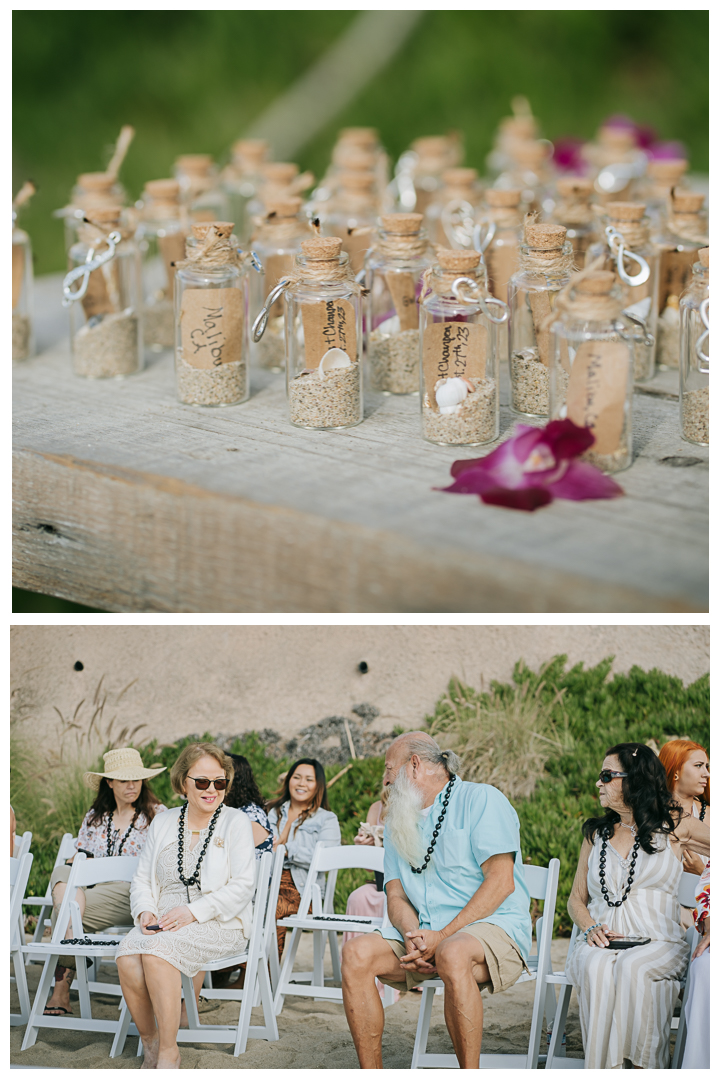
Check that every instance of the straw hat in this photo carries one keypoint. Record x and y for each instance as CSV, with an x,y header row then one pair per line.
x,y
123,764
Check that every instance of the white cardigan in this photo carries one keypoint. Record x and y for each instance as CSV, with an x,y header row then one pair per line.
x,y
227,872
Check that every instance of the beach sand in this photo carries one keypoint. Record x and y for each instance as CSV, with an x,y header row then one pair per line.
x,y
313,1034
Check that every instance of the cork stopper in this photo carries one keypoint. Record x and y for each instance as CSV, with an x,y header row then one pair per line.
x,y
545,237
163,190
597,283
96,181
194,164
530,152
450,259
579,186
356,181
687,202
279,172
667,171
360,136
625,211
617,138
322,247
519,127
104,215
287,207
255,150
503,197
459,177
401,224
353,157
431,146
704,257
222,228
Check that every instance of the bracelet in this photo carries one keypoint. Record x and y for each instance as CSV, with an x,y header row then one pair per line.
x,y
595,926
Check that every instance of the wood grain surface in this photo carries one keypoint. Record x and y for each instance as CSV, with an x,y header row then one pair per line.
x,y
125,499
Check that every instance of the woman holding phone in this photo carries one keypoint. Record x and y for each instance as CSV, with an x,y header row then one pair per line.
x,y
626,887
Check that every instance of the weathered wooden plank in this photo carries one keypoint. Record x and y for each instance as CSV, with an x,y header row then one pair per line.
x,y
153,505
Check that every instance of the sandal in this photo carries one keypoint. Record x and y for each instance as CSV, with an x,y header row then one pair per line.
x,y
57,1010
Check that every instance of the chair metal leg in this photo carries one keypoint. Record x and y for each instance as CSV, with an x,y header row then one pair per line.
x,y
18,1019
335,955
559,1025
536,1023
288,961
38,1005
118,1044
190,1003
423,1027
81,979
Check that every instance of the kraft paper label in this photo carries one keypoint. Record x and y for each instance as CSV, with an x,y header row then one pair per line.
x,y
453,350
172,250
402,290
328,324
17,273
502,262
356,243
675,274
541,307
596,391
211,322
276,267
97,299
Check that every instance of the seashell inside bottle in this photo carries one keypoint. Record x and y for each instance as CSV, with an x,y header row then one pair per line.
x,y
459,348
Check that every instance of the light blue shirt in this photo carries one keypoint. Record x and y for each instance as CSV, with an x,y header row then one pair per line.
x,y
479,823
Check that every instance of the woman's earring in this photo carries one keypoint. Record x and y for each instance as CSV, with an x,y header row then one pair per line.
x,y
676,776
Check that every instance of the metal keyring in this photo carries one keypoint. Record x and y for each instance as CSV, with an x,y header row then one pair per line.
x,y
260,324
703,358
618,249
85,270
482,242
483,301
457,219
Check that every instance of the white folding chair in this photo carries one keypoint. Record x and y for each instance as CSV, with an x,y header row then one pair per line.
x,y
19,874
556,1058
688,890
84,872
66,850
21,845
324,922
257,986
542,884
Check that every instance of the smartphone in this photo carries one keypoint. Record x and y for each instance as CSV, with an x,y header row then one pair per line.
x,y
156,926
627,942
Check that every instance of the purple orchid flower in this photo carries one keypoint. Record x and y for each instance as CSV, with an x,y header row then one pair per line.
x,y
567,155
534,467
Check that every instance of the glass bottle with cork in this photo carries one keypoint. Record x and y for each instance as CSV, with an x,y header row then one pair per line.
x,y
458,341
200,190
498,235
573,210
394,267
103,293
679,242
352,215
626,241
276,242
280,180
419,170
23,340
160,237
456,202
592,370
663,174
241,179
92,191
544,265
323,336
211,318
695,354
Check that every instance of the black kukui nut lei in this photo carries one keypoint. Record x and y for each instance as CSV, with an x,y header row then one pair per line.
x,y
703,808
195,876
436,830
110,848
631,874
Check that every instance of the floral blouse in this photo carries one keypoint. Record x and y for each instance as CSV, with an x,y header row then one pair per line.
x,y
93,838
702,911
256,813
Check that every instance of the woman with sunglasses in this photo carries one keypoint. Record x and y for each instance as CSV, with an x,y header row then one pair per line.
x,y
626,885
190,899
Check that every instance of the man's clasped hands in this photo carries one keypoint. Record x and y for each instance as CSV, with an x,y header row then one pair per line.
x,y
421,946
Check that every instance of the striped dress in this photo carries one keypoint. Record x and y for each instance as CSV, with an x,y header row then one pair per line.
x,y
627,996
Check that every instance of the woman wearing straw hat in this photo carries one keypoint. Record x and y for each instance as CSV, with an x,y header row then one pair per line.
x,y
116,824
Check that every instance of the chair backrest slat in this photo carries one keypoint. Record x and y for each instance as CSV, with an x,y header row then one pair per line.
x,y
688,889
86,871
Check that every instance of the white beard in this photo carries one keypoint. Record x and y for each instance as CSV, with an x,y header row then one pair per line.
x,y
403,817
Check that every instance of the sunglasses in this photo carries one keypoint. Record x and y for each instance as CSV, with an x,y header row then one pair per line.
x,y
607,775
202,784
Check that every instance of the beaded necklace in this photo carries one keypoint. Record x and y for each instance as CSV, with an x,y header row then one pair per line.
x,y
631,873
110,846
436,830
703,807
195,876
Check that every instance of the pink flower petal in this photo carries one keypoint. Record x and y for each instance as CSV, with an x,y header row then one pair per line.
x,y
527,499
584,481
566,439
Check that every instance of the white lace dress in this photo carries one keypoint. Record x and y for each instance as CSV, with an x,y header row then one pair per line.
x,y
191,948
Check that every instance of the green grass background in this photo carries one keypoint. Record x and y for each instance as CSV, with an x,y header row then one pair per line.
x,y
600,711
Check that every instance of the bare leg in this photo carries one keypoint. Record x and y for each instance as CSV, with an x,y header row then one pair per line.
x,y
198,980
364,958
164,986
135,992
460,961
60,997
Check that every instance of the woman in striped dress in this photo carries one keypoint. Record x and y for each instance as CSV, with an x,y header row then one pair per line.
x,y
627,884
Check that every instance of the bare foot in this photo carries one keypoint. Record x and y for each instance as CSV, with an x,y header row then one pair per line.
x,y
168,1061
150,1051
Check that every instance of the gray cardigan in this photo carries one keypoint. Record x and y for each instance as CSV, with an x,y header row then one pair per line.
x,y
322,825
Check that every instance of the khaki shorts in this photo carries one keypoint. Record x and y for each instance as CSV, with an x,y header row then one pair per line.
x,y
502,956
107,904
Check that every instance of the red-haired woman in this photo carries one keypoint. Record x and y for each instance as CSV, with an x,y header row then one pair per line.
x,y
688,776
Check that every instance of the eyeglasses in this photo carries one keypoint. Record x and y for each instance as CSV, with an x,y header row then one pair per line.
x,y
607,775
202,784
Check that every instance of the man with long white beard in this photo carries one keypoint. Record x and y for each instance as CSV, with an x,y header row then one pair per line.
x,y
456,897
